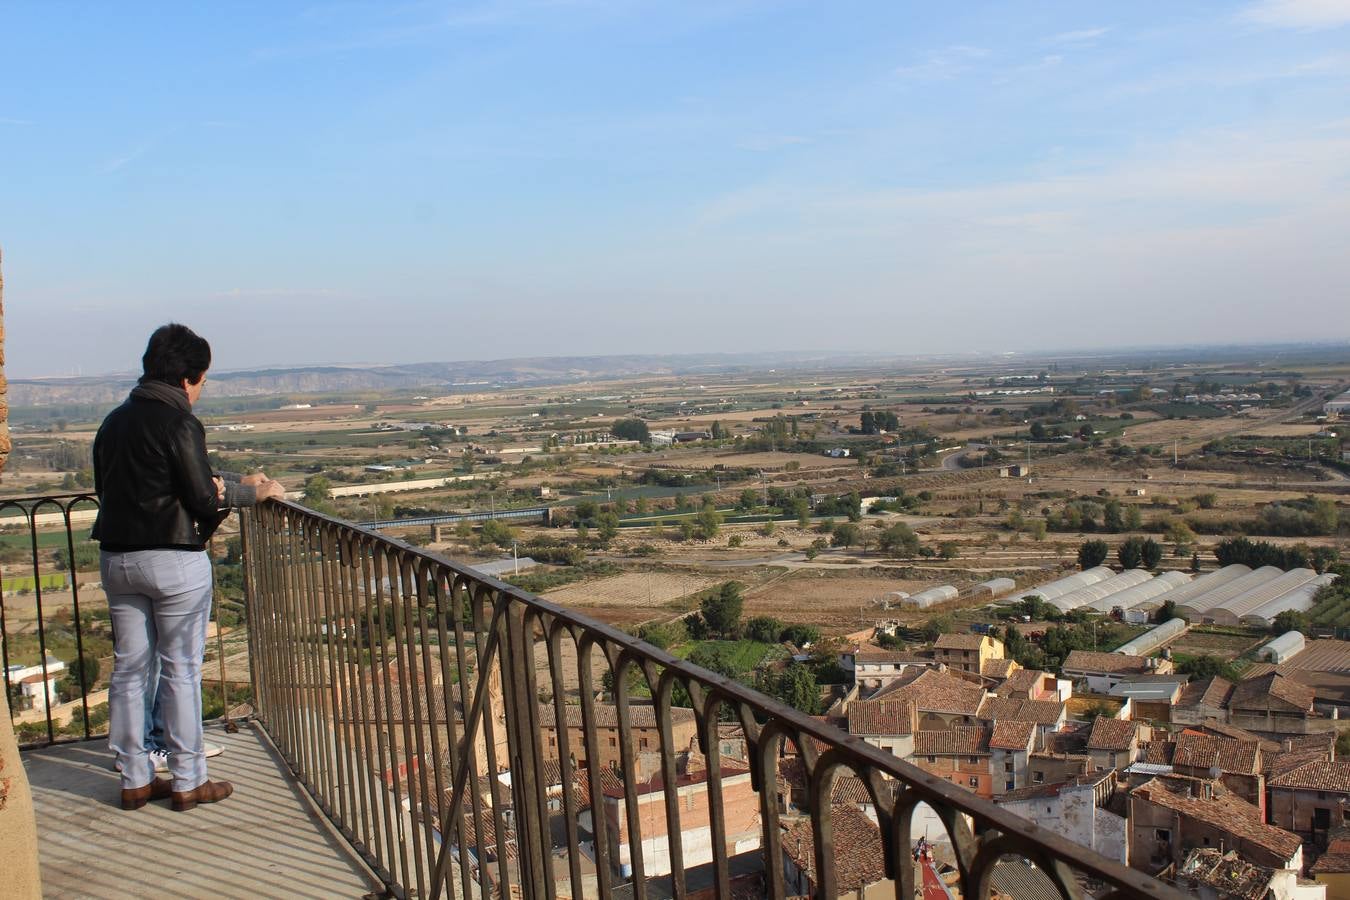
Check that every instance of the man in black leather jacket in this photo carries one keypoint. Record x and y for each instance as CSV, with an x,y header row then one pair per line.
x,y
159,504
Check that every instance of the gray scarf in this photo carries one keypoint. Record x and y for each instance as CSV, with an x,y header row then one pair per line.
x,y
164,393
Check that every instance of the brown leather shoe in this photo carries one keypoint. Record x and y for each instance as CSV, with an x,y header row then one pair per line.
x,y
135,798
206,792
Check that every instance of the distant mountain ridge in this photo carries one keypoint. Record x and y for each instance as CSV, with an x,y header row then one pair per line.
x,y
430,376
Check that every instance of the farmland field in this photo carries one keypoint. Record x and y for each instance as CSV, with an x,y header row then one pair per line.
x,y
1225,646
835,603
646,590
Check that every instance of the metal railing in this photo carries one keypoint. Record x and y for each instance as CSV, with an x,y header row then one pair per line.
x,y
411,697
37,525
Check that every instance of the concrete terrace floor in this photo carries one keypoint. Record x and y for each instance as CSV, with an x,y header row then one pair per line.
x,y
267,840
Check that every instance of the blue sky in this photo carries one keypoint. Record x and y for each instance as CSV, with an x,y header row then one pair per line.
x,y
398,182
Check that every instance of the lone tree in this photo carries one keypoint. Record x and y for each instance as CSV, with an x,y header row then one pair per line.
x,y
722,611
899,540
631,430
1092,554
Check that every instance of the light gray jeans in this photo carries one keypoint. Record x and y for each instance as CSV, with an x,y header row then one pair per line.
x,y
160,602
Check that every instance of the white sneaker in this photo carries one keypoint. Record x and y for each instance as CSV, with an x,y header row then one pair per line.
x,y
161,760
161,757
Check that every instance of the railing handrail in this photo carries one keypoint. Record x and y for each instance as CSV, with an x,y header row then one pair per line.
x,y
843,751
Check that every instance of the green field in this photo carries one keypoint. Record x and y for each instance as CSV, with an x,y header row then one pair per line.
x,y
47,540
51,581
745,656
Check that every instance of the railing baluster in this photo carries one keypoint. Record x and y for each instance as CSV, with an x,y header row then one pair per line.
x,y
599,822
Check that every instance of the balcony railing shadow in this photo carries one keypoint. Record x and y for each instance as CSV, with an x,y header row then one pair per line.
x,y
453,730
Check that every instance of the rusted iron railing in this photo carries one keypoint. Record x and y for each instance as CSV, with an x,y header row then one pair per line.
x,y
411,697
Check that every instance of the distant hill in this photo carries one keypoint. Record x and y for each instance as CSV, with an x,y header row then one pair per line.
x,y
30,392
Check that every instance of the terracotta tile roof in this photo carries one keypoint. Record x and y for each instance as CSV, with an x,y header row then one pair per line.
x,y
997,668
1156,753
958,642
1222,810
1042,712
858,859
970,740
1112,734
1107,663
1022,681
1012,735
852,789
607,715
1323,741
891,717
1279,763
1031,792
1259,692
1213,692
1317,776
1232,732
878,657
934,691
1332,864
1203,751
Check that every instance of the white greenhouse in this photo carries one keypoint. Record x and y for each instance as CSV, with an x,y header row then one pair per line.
x,y
1154,638
1280,650
1101,590
1069,583
1300,599
1192,607
1231,612
1203,584
1146,590
931,597
997,587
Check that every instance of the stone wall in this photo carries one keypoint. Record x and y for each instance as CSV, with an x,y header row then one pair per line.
x,y
18,832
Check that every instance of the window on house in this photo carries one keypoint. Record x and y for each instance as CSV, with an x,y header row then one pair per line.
x,y
974,782
1007,785
642,742
1008,766
1047,810
1038,777
614,742
932,759
1162,835
972,759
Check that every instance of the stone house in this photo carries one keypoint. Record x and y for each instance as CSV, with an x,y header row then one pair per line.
x,y
1079,809
1114,743
887,724
646,737
960,755
1271,704
967,652
1010,747
1313,799
1171,815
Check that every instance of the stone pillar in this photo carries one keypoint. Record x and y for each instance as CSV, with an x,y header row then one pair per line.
x,y
4,387
18,830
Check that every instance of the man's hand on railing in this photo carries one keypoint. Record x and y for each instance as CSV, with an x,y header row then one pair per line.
x,y
268,489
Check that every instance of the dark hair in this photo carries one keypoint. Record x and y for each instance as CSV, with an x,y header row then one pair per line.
x,y
175,352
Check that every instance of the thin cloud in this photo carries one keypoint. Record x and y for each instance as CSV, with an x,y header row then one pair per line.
x,y
120,162
4,120
1302,15
767,142
1081,36
944,64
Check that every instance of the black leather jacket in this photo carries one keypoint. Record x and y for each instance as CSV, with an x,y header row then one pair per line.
x,y
153,479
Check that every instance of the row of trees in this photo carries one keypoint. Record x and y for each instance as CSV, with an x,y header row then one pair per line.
x,y
1263,553
1133,553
